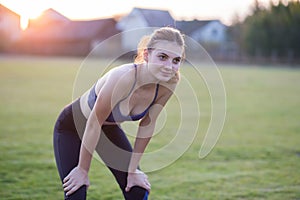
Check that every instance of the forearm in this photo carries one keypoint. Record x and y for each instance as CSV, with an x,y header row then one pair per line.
x,y
89,142
85,158
138,150
144,136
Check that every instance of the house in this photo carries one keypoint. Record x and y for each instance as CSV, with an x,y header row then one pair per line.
x,y
54,34
139,22
210,34
10,30
204,31
49,17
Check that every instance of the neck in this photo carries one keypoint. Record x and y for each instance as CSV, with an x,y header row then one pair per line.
x,y
144,76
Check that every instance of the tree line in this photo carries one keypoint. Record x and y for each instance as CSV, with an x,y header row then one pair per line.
x,y
272,32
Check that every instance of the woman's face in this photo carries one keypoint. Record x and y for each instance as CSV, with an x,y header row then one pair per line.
x,y
164,60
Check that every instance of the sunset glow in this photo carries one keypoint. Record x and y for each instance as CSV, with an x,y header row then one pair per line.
x,y
26,17
90,9
29,10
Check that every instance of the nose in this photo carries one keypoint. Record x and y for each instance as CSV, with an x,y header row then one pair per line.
x,y
175,67
169,65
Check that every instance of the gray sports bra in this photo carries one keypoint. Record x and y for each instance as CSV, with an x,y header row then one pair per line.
x,y
116,115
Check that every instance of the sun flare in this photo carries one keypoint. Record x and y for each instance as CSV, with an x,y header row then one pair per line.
x,y
29,10
24,22
26,16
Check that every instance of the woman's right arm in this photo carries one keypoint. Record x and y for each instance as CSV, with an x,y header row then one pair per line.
x,y
113,89
94,123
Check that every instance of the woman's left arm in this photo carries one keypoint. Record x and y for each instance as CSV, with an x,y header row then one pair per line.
x,y
144,135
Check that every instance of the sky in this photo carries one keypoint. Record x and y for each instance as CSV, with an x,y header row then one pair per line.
x,y
224,10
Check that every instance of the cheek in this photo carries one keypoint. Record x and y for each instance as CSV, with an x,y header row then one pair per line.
x,y
154,67
176,67
155,61
155,64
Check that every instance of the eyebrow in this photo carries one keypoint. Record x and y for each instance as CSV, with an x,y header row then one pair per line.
x,y
178,57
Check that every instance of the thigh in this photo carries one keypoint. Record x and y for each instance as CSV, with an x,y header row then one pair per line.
x,y
66,144
115,150
66,151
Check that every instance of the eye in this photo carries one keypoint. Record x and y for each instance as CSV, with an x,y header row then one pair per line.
x,y
163,57
176,60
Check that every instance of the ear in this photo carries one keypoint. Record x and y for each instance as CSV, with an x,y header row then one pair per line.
x,y
146,54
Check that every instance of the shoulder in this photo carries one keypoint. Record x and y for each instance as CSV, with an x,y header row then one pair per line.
x,y
123,73
166,90
170,86
118,79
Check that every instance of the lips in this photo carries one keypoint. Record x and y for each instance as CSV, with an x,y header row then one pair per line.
x,y
167,73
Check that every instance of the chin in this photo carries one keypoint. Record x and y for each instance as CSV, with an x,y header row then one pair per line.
x,y
164,78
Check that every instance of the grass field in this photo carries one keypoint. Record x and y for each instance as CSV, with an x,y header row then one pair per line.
x,y
256,157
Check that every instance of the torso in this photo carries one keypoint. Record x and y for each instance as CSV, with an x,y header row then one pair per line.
x,y
136,101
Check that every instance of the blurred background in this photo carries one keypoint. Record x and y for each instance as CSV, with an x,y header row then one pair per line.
x,y
255,43
251,31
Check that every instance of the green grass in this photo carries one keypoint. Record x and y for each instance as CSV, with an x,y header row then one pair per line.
x,y
256,157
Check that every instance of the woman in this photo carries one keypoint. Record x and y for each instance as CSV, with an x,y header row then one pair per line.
x,y
126,93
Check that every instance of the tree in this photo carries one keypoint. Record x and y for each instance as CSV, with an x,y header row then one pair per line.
x,y
270,32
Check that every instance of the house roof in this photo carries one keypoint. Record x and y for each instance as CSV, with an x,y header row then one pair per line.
x,y
74,30
188,27
91,29
48,17
54,15
52,25
156,18
4,9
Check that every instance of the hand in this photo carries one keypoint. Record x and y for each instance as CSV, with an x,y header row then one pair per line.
x,y
75,179
138,178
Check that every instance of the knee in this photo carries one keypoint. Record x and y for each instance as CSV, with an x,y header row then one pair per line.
x,y
79,194
136,193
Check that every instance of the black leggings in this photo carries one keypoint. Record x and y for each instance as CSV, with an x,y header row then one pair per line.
x,y
113,148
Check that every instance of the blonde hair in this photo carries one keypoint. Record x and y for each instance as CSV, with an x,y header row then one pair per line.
x,y
161,34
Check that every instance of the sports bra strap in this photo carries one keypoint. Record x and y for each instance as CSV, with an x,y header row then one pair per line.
x,y
135,79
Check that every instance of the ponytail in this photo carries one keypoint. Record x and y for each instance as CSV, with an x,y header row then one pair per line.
x,y
140,49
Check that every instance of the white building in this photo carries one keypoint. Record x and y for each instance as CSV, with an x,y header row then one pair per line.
x,y
207,31
139,22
